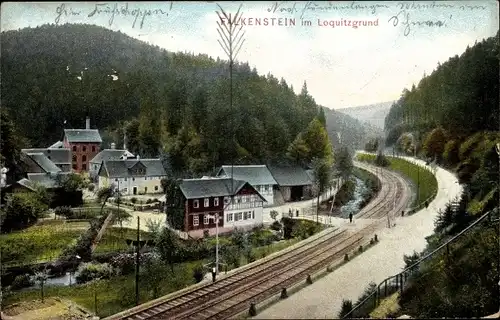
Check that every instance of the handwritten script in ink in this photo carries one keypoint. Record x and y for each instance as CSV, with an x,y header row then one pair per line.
x,y
404,18
313,7
112,10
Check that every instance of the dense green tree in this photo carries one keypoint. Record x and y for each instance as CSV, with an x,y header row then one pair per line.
x,y
322,117
70,182
299,150
450,153
11,144
22,209
434,144
322,174
460,95
167,246
343,162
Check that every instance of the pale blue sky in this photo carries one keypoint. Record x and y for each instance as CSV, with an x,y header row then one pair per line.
x,y
343,66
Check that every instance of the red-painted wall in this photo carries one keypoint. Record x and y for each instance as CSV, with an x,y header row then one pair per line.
x,y
89,150
191,212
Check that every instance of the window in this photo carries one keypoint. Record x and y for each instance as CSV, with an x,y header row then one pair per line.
x,y
156,188
244,198
74,158
239,200
229,217
266,188
216,202
253,214
84,148
133,179
84,158
245,215
226,200
196,204
125,190
239,216
145,189
74,166
116,180
93,148
74,148
145,178
125,179
206,219
196,221
207,202
84,166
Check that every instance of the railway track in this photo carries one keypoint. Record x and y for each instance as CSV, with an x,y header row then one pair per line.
x,y
258,281
393,188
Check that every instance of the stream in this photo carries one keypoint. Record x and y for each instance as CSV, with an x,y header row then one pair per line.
x,y
69,278
353,205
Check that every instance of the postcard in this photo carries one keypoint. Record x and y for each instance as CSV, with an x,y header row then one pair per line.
x,y
266,160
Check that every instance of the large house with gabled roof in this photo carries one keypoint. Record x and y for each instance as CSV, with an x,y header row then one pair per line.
x,y
237,204
84,144
35,161
107,155
132,176
258,176
61,157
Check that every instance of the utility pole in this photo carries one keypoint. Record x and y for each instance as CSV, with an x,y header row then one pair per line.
x,y
418,182
217,243
498,205
137,264
119,215
317,205
231,42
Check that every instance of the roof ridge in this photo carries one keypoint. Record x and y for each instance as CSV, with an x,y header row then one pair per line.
x,y
81,129
246,165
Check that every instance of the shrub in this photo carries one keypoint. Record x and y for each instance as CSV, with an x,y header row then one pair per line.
x,y
206,233
198,273
124,263
381,160
276,225
65,211
149,201
90,271
22,281
91,187
133,200
346,308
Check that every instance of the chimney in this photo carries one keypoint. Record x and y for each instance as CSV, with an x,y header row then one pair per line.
x,y
124,140
87,123
113,145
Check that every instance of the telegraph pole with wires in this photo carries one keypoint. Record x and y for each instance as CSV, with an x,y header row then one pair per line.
x,y
231,41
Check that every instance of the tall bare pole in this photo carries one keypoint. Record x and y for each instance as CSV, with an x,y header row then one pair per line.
x,y
137,261
231,41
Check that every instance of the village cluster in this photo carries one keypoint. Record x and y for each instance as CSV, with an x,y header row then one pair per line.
x,y
251,188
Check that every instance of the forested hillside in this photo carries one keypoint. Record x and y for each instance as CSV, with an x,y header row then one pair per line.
x,y
354,133
452,118
166,102
461,96
374,113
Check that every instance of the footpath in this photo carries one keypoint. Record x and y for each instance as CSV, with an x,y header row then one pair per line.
x,y
323,299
